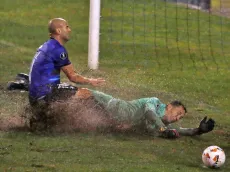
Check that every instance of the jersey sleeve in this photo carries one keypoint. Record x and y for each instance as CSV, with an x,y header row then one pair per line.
x,y
152,121
61,58
184,131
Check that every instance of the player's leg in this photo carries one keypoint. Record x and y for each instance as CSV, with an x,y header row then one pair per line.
x,y
42,117
37,119
83,93
62,92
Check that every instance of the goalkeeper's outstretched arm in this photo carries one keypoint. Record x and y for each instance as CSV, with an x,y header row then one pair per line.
x,y
204,127
188,131
154,124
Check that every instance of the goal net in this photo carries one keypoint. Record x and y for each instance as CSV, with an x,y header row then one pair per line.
x,y
170,34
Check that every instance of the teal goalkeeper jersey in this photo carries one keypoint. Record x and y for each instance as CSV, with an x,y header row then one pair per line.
x,y
133,112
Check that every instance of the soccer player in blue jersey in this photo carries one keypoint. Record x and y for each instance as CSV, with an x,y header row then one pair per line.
x,y
50,59
149,114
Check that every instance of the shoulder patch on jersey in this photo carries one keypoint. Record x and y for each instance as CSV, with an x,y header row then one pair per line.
x,y
63,55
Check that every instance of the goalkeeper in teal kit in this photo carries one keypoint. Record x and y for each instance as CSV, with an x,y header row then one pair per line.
x,y
149,113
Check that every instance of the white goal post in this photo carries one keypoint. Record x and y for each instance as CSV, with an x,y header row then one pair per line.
x,y
94,31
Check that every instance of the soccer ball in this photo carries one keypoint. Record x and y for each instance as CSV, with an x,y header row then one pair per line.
x,y
213,157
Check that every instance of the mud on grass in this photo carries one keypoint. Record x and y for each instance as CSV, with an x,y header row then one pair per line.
x,y
12,104
72,115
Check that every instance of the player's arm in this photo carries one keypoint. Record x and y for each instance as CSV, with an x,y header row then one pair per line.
x,y
205,126
188,131
73,76
155,125
153,122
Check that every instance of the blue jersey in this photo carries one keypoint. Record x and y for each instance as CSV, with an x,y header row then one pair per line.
x,y
45,68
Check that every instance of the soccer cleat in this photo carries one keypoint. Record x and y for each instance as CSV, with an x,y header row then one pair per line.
x,y
22,76
21,82
17,85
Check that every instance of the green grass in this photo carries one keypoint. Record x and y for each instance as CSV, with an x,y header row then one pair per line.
x,y
92,152
157,53
218,4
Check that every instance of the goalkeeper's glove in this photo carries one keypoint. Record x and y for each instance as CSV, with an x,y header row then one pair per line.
x,y
170,134
206,125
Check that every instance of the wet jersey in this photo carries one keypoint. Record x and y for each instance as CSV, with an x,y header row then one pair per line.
x,y
45,68
136,112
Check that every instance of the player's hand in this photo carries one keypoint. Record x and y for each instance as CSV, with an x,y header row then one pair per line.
x,y
171,134
206,125
97,82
